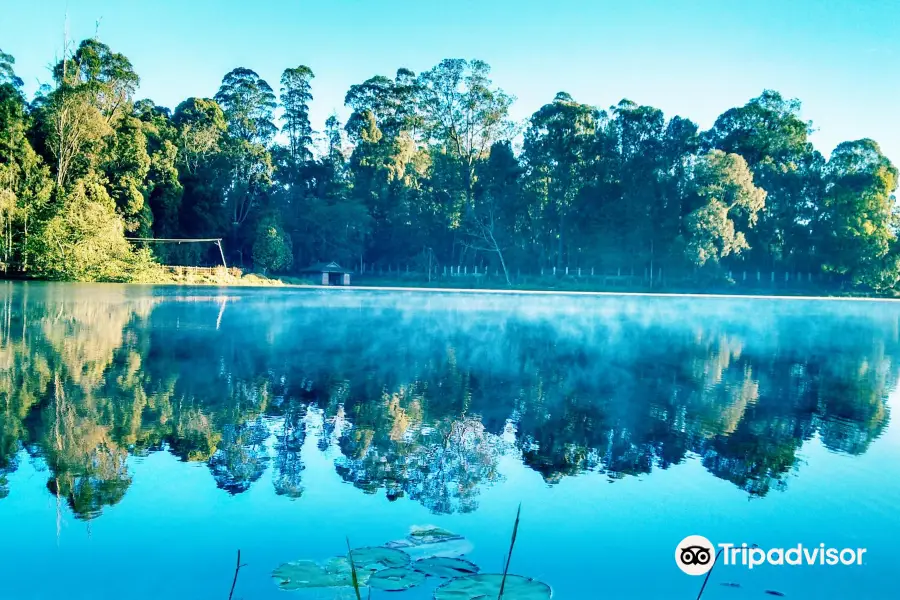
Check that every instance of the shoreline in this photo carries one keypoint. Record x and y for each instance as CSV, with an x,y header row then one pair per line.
x,y
593,293
478,291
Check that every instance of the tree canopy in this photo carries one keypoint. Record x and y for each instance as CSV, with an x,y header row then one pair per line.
x,y
428,169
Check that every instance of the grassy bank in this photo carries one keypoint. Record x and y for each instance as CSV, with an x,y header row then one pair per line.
x,y
220,276
216,276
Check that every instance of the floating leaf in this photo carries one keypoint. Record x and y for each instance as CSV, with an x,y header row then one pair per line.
x,y
441,566
301,574
424,542
488,586
431,535
376,557
396,580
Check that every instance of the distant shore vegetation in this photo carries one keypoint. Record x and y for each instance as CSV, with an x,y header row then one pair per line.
x,y
430,171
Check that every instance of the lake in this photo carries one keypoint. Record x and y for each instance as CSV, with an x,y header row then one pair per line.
x,y
147,434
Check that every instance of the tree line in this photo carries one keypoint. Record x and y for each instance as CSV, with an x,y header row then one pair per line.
x,y
429,169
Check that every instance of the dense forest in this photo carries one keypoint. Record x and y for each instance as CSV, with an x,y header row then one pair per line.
x,y
429,170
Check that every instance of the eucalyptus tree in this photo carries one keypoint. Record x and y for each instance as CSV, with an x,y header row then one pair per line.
x,y
559,155
494,225
86,129
8,72
162,188
249,105
680,146
727,205
858,222
24,179
200,124
639,134
388,166
463,115
771,136
296,94
334,140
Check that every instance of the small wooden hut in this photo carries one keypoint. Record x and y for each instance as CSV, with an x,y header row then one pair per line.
x,y
328,273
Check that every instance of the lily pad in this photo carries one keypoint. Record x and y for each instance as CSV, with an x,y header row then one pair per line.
x,y
488,586
396,580
302,574
432,535
376,557
441,566
424,542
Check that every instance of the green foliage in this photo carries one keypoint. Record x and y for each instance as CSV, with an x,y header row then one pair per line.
x,y
427,171
272,247
7,71
295,98
249,104
724,187
85,240
859,217
200,123
24,180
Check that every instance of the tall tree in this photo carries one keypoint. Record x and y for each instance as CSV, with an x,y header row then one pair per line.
x,y
858,223
8,72
296,95
249,105
728,204
769,133
491,226
558,151
24,179
201,125
463,116
388,166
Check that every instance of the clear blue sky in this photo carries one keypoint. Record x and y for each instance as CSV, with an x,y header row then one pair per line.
x,y
692,58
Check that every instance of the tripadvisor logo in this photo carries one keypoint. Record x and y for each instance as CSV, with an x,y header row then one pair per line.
x,y
696,555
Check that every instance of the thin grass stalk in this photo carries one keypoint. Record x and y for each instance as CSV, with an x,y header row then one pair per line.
x,y
353,578
512,544
708,573
237,569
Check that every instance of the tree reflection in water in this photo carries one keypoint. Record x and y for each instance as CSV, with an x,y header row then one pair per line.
x,y
420,396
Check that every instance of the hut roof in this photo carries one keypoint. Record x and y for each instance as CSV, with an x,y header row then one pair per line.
x,y
331,267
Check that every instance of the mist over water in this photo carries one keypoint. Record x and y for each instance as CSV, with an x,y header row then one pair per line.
x,y
147,433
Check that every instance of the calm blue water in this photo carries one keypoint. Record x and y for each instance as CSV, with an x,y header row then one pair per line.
x,y
147,434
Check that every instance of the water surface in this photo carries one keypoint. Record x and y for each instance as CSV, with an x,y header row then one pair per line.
x,y
146,434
